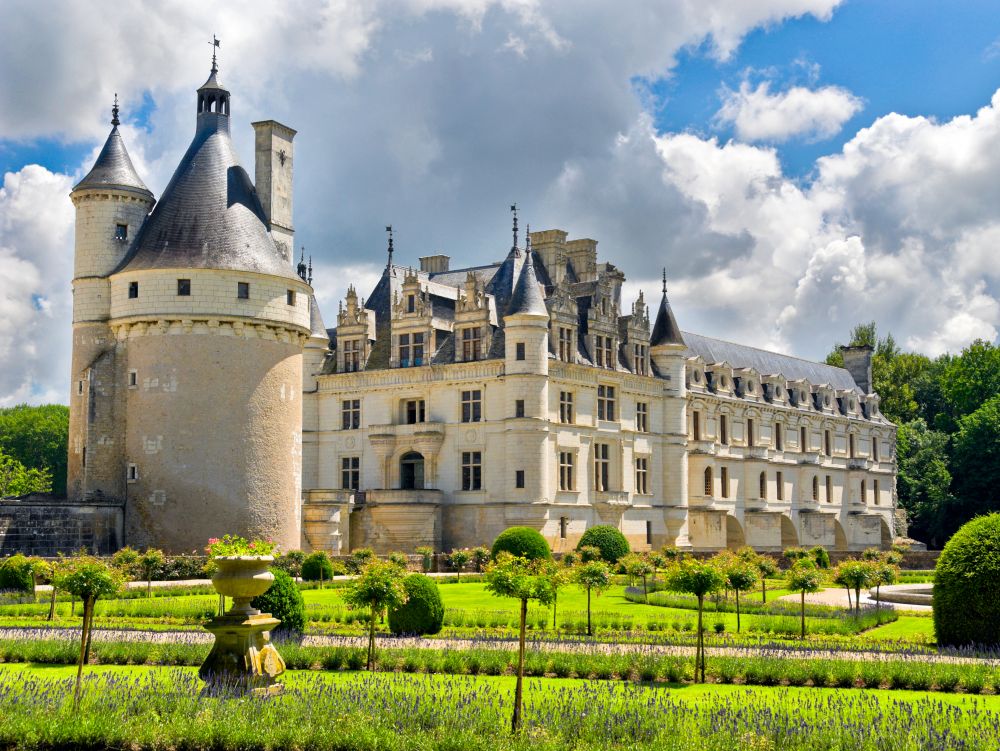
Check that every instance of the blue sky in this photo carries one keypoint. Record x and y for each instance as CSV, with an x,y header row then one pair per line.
x,y
748,147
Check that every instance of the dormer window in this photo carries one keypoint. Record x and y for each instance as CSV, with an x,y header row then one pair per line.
x,y
639,359
603,347
411,303
565,343
352,355
471,344
411,350
121,232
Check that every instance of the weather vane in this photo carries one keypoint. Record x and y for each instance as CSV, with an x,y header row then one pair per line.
x,y
216,43
513,210
114,112
388,228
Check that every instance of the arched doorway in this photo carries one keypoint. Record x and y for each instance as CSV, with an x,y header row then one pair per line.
x,y
411,471
789,537
839,536
734,533
886,534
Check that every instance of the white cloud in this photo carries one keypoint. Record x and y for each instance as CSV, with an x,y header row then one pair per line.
x,y
758,115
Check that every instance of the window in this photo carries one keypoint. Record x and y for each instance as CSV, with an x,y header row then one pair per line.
x,y
121,232
602,467
724,481
563,523
414,411
411,349
874,448
133,290
290,297
471,343
519,478
864,492
750,439
642,475
472,406
411,303
829,489
183,287
723,430
649,532
133,379
605,402
779,436
519,351
696,426
642,417
827,443
79,387
709,491
815,488
243,290
779,486
566,407
603,346
567,475
83,457
850,445
519,408
472,470
875,491
133,473
350,414
350,472
639,359
352,355
762,488
565,344
803,439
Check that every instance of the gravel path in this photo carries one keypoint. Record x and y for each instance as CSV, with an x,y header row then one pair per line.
x,y
838,596
775,651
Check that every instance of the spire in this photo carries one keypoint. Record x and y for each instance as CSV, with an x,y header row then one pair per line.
x,y
309,281
513,210
665,329
213,97
388,264
114,112
527,298
113,168
302,265
216,43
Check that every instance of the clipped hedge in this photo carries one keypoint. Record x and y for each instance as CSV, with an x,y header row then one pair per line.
x,y
317,567
967,585
609,540
524,542
423,611
15,574
283,601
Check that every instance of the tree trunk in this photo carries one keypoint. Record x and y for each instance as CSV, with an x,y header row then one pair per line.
x,y
763,590
737,611
515,723
321,577
90,632
371,641
72,605
878,600
555,601
699,651
34,587
589,632
857,602
149,584
52,604
87,607
645,592
850,604
803,614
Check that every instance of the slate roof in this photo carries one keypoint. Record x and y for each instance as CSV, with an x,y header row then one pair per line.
x,y
665,328
113,168
527,298
767,363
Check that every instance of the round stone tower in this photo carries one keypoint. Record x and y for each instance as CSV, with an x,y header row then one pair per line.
x,y
111,205
212,320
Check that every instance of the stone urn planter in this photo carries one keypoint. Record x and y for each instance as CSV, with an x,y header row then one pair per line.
x,y
243,659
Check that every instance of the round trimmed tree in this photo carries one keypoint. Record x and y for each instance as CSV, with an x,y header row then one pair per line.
x,y
283,601
521,542
423,611
609,540
317,567
967,585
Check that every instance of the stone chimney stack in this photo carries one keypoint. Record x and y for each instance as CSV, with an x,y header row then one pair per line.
x,y
273,178
858,361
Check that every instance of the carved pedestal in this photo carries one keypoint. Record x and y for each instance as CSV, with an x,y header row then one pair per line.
x,y
243,658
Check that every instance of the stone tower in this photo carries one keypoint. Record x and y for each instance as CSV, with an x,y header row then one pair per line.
x,y
208,322
111,205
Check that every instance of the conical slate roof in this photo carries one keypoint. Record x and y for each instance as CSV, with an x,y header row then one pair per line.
x,y
665,328
113,168
209,216
527,298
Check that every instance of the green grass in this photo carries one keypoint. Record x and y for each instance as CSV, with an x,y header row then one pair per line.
x,y
918,629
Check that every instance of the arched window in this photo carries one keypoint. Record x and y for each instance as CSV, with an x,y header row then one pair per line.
x,y
779,437
827,443
708,481
723,430
411,471
815,488
850,445
750,426
874,448
803,439
763,486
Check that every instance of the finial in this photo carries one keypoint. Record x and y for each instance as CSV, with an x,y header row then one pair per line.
x,y
388,229
664,281
216,43
114,112
310,280
302,264
513,210
527,239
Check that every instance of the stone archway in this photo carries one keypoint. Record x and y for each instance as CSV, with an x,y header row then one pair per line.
x,y
735,538
886,534
839,536
411,471
789,536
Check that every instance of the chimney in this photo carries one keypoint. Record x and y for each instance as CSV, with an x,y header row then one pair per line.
x,y
435,264
273,178
858,361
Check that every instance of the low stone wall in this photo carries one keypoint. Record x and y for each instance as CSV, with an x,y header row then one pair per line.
x,y
45,526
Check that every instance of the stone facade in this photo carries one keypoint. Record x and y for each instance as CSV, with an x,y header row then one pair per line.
x,y
43,527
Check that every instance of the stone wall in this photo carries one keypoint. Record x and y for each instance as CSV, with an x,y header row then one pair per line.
x,y
46,527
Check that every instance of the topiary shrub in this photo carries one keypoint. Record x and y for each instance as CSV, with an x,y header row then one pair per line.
x,y
967,585
609,540
284,601
820,556
317,567
15,574
524,542
423,611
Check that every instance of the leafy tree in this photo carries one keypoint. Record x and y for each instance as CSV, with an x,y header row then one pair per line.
x,y
659,562
423,611
820,556
458,560
967,585
480,557
291,563
883,572
766,566
699,578
804,577
570,558
15,573
426,557
378,587
741,575
126,560
89,579
150,562
589,553
972,378
609,540
924,481
557,577
592,577
976,461
359,559
283,600
399,559
637,566
521,542
855,575
38,438
510,576
16,479
317,567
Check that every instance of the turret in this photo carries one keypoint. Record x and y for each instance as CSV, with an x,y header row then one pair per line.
x,y
526,324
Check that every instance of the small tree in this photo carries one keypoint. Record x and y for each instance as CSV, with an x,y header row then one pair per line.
x,y
593,576
480,557
291,563
359,559
398,559
637,567
883,572
557,577
519,578
659,562
459,559
741,575
317,567
150,562
589,553
767,566
40,570
803,577
570,558
426,557
856,575
699,578
820,556
672,553
795,553
126,560
89,579
379,586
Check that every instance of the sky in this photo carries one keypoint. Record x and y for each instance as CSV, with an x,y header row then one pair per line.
x,y
797,166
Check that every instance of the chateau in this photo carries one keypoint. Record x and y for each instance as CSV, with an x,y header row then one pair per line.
x,y
447,404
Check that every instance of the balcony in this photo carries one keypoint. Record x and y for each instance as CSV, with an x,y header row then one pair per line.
x,y
809,457
702,447
858,463
404,429
759,452
612,497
